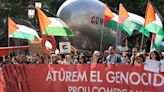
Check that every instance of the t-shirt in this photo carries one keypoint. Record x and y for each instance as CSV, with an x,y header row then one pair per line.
x,y
113,59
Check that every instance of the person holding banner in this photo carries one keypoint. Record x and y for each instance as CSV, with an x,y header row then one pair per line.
x,y
104,57
53,59
126,58
47,59
14,60
154,55
139,59
95,57
153,63
82,59
113,58
8,60
31,59
39,59
68,59
134,52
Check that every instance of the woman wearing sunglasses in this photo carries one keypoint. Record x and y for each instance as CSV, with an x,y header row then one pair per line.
x,y
126,58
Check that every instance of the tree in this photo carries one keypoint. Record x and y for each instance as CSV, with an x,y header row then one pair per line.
x,y
139,6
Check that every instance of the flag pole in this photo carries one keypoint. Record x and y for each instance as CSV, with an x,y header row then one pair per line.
x,y
142,41
152,41
102,35
9,45
8,36
117,35
102,32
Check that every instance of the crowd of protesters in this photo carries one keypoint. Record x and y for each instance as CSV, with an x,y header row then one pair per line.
x,y
110,56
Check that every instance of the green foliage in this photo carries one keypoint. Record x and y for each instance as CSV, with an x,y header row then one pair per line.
x,y
18,8
138,6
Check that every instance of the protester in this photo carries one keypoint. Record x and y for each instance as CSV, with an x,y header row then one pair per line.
x,y
85,57
126,58
53,59
8,60
153,62
113,58
95,57
134,52
47,59
88,56
14,60
104,57
139,59
68,59
39,59
31,59
74,59
24,59
82,59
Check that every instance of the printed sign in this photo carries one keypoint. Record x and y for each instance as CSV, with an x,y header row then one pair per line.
x,y
65,47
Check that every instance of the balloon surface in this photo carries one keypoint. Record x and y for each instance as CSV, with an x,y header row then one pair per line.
x,y
85,18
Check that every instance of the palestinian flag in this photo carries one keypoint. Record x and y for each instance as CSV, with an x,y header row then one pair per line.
x,y
108,15
156,42
52,25
113,22
123,14
153,23
111,19
128,22
136,22
21,31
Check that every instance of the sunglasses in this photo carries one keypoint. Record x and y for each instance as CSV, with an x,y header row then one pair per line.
x,y
124,56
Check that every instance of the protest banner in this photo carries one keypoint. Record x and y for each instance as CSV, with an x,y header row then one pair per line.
x,y
79,78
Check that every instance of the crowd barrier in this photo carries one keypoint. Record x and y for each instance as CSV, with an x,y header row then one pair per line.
x,y
79,78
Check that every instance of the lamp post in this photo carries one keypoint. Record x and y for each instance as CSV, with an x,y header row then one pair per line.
x,y
38,4
31,8
31,14
31,11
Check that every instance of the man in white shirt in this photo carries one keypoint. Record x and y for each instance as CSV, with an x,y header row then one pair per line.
x,y
113,58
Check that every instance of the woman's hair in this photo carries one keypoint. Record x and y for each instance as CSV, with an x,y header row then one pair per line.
x,y
84,59
157,55
127,54
140,55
